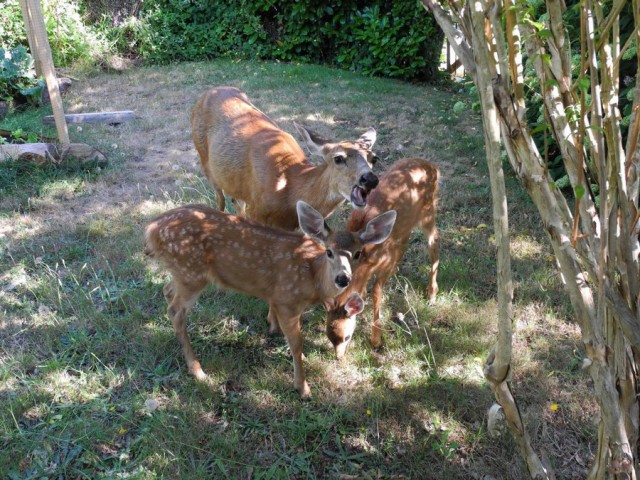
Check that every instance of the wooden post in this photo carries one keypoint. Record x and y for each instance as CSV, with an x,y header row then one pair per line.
x,y
32,13
32,43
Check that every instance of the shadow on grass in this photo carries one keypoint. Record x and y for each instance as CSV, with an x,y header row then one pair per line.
x,y
248,421
97,385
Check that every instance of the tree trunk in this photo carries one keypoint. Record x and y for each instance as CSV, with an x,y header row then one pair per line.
x,y
596,246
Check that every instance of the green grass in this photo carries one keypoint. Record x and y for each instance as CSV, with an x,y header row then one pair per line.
x,y
92,380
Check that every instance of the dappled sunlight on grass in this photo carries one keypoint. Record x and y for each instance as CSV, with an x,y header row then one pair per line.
x,y
523,247
95,378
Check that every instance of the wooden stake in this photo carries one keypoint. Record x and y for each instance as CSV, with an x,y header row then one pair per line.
x,y
32,12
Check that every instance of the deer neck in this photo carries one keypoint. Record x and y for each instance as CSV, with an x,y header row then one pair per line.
x,y
316,187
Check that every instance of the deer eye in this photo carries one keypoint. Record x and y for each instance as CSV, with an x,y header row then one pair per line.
x,y
329,253
339,160
347,338
356,255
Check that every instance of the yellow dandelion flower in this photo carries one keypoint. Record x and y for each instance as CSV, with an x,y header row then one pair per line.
x,y
554,406
368,412
122,431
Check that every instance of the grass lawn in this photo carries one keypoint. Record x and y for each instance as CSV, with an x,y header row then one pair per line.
x,y
93,382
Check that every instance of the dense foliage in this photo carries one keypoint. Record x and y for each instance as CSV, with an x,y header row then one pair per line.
x,y
72,40
12,32
393,39
17,78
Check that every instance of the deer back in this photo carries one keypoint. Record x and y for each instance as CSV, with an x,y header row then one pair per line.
x,y
201,245
247,156
410,187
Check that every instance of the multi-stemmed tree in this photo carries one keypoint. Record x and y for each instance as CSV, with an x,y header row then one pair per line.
x,y
594,229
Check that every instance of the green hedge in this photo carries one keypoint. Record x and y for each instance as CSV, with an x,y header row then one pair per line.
x,y
388,38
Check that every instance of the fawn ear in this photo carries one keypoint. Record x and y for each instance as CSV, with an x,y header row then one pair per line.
x,y
311,222
378,228
314,142
368,138
354,304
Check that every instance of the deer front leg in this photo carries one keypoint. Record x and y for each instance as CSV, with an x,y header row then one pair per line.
x,y
181,299
433,247
376,328
290,325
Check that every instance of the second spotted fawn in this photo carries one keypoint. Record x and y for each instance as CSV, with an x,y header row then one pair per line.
x,y
410,187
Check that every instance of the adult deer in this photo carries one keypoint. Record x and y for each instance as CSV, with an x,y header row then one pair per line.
x,y
245,155
290,270
410,187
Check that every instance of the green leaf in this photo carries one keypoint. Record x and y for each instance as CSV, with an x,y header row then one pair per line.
x,y
579,191
459,107
545,33
584,83
540,128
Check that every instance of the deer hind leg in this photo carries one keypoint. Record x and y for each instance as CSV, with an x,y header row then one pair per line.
x,y
181,297
376,297
203,149
290,324
433,248
272,320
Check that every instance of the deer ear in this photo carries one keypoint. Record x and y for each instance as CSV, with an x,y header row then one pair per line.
x,y
354,304
378,228
313,142
311,222
368,138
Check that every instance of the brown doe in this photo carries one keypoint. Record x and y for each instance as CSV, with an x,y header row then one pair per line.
x,y
245,155
290,270
410,187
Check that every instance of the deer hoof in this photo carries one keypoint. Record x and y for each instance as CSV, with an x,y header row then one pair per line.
x,y
305,392
274,330
196,371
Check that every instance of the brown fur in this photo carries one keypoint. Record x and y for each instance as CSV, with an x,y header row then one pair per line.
x,y
290,270
410,187
245,155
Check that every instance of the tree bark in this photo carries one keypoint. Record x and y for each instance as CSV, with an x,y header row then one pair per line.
x,y
596,246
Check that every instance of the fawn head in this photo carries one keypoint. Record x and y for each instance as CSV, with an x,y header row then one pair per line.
x,y
343,247
341,321
351,163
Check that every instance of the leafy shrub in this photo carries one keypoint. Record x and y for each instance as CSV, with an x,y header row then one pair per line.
x,y
305,30
194,29
389,38
395,39
400,41
71,40
17,77
12,32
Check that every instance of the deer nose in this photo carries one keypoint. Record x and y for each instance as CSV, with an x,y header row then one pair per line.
x,y
343,280
368,180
